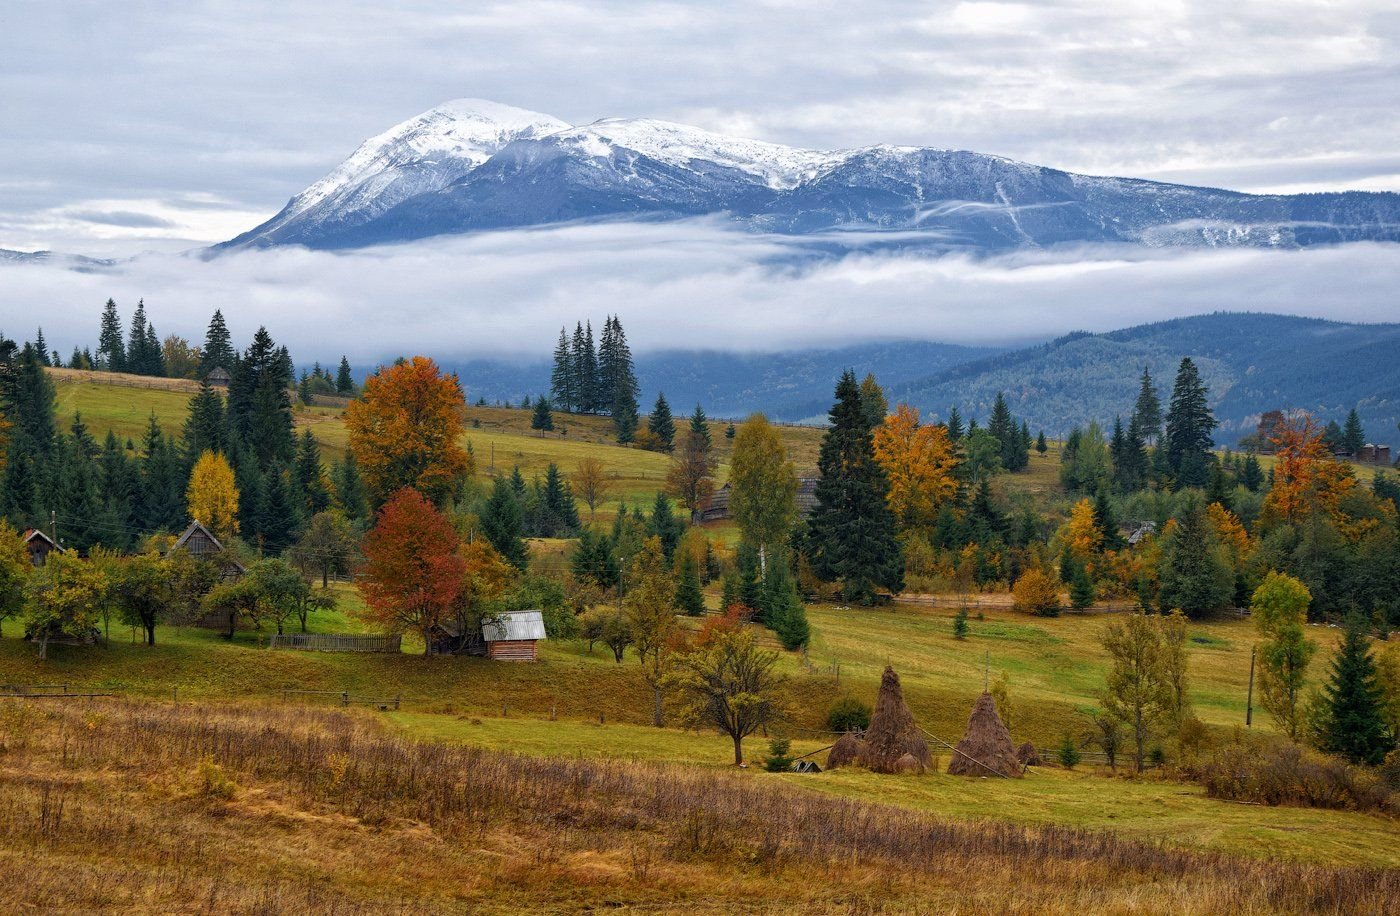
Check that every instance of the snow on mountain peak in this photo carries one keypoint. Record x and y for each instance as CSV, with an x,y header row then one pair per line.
x,y
457,135
779,166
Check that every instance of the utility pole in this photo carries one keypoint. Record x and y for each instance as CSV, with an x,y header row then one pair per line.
x,y
53,526
1249,701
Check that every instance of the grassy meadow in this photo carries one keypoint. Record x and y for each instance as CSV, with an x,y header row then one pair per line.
x,y
293,830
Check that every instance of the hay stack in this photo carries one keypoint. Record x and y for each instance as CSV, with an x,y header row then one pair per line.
x,y
892,732
845,751
987,742
907,764
1028,755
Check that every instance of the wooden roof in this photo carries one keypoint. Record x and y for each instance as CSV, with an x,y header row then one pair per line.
x,y
514,625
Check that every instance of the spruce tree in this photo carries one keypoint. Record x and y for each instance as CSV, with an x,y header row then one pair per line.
x,y
1353,435
1251,474
1081,589
541,419
503,524
1003,427
561,378
309,477
1195,576
205,425
661,425
1354,725
700,426
1041,446
1189,426
1147,413
350,494
217,351
664,524
851,531
590,387
138,359
43,349
163,480
155,356
783,611
344,381
689,598
111,350
280,518
955,425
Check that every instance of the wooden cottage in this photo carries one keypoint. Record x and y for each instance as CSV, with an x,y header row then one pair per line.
x,y
218,377
514,636
200,542
510,636
718,507
1374,453
39,545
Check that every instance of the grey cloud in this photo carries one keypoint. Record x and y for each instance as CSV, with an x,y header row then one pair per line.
x,y
690,285
252,100
123,218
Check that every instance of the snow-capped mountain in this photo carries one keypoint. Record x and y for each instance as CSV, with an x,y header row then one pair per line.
x,y
474,165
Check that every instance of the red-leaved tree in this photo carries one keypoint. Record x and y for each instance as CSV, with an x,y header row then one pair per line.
x,y
413,574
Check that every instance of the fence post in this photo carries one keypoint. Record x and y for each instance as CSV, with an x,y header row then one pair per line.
x,y
397,698
345,698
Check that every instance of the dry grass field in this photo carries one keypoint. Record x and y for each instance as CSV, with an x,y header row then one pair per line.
x,y
276,810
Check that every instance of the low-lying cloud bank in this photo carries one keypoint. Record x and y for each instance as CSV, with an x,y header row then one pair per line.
x,y
682,285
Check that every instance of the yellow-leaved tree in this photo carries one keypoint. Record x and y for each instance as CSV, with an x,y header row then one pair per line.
x,y
213,496
1081,533
404,430
920,462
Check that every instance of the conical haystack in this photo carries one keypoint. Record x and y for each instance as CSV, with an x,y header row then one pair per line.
x,y
986,747
892,732
1028,755
845,751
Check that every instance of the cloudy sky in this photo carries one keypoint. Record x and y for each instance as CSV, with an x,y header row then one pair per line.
x,y
158,126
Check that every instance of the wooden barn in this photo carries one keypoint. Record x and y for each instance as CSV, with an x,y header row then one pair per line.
x,y
39,545
718,507
514,636
510,636
218,377
201,543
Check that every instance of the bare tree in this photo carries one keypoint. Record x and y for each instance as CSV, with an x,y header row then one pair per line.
x,y
591,482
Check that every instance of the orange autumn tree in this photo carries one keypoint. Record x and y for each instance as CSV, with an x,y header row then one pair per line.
x,y
920,462
414,574
404,430
212,496
1081,533
1306,477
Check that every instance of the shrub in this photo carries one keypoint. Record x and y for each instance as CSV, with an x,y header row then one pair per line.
x,y
779,759
1287,774
848,714
1036,593
214,782
1068,753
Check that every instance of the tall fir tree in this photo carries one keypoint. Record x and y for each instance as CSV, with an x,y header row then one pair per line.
x,y
42,347
562,382
955,425
163,480
344,381
690,599
111,349
138,359
351,497
1147,412
1189,425
503,524
700,426
1003,427
309,476
205,425
1353,434
851,531
155,355
661,424
218,351
1353,724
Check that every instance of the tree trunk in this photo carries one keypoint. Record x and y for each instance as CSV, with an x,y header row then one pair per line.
x,y
151,633
44,644
738,750
325,577
232,616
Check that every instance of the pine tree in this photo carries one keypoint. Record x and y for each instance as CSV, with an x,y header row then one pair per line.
x,y
851,531
955,425
43,349
664,524
1354,726
1195,577
111,351
689,598
350,494
1081,589
589,383
163,480
1041,446
155,355
562,382
1251,474
1353,435
1106,520
661,425
781,605
205,426
344,381
1004,428
541,419
1147,413
503,525
280,518
310,476
618,379
218,349
138,359
960,625
700,426
1188,428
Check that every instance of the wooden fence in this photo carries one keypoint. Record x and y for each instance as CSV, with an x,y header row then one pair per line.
x,y
336,642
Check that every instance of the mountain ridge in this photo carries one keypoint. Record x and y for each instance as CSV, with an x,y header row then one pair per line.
x,y
471,165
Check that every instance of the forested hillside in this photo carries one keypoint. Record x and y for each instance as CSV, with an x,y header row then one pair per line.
x,y
1251,363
